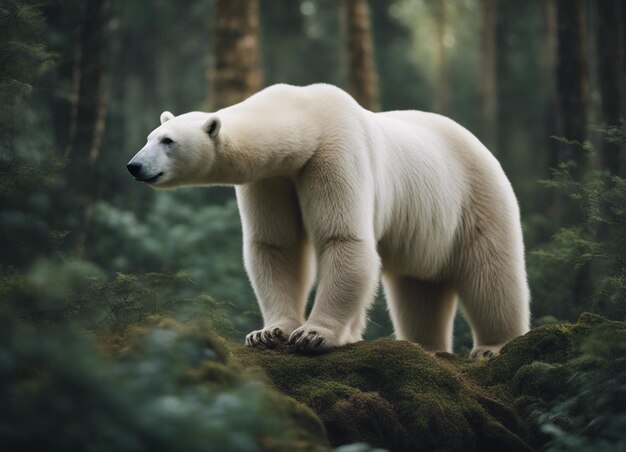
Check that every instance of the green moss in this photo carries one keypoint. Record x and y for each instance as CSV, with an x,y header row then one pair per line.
x,y
373,419
563,378
540,373
539,379
304,430
390,394
554,343
533,360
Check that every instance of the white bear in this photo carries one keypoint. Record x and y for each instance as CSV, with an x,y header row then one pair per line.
x,y
330,190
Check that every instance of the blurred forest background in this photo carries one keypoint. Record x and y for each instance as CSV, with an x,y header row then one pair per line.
x,y
85,248
83,82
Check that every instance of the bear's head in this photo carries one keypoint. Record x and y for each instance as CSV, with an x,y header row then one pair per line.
x,y
179,152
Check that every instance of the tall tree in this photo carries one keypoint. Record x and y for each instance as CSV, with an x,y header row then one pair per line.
x,y
572,86
610,51
22,58
550,39
552,205
442,95
237,73
361,70
572,81
488,72
88,107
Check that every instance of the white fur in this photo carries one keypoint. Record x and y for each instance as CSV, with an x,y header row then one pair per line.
x,y
408,196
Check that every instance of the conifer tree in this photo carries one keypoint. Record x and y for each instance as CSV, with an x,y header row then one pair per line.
x,y
361,65
237,71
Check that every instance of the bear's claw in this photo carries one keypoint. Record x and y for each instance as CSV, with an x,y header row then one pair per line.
x,y
269,338
310,341
485,352
312,338
272,335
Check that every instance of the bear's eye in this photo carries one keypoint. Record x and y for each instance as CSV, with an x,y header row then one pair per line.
x,y
167,141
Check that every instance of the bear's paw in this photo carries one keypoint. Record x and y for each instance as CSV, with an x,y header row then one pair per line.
x,y
272,335
485,351
313,338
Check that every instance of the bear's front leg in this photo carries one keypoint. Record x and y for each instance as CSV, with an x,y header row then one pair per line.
x,y
281,281
348,278
277,256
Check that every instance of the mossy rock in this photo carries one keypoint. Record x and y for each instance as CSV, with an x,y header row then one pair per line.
x,y
302,429
537,372
536,359
391,394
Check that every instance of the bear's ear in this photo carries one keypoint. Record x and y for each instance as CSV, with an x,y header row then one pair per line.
x,y
166,116
212,126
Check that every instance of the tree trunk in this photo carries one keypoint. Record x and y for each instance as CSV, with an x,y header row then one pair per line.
x,y
237,72
552,204
553,127
572,87
488,72
361,70
442,94
610,53
88,108
572,80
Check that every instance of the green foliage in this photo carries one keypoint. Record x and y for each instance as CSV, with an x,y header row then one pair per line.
x,y
24,176
22,54
26,230
598,236
178,232
589,415
79,294
58,393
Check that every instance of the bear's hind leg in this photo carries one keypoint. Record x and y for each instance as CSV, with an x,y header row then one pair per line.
x,y
421,311
494,296
358,324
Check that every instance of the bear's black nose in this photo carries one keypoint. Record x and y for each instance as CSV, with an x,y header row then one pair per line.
x,y
134,168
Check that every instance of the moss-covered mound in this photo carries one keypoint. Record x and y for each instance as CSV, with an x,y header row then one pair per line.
x,y
167,385
542,348
567,381
391,394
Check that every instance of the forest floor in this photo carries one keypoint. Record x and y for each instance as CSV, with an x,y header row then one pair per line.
x,y
391,394
164,384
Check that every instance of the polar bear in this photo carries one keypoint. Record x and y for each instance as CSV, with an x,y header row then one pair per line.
x,y
330,191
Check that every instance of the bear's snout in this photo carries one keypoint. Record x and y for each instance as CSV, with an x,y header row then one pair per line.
x,y
134,168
